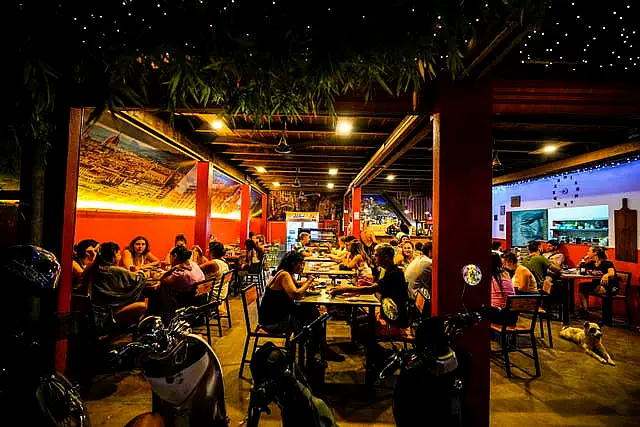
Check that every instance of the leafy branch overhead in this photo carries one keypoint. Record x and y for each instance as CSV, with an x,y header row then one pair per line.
x,y
253,58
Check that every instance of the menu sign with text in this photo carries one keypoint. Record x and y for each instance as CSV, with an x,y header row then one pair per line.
x,y
303,216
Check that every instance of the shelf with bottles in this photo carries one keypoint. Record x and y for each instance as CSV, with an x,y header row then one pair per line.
x,y
585,231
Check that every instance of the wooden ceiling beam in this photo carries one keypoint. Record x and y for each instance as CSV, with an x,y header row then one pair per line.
x,y
292,156
619,150
320,163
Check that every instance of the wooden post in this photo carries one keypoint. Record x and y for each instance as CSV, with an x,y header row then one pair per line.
x,y
355,211
245,207
202,229
68,216
263,222
462,148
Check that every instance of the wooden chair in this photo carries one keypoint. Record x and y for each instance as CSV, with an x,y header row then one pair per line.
x,y
257,278
249,295
417,311
523,304
215,295
624,280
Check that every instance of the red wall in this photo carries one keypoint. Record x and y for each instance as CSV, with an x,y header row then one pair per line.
x,y
277,231
160,230
574,254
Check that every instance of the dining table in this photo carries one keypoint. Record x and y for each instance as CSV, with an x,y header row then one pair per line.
x,y
330,269
320,296
569,276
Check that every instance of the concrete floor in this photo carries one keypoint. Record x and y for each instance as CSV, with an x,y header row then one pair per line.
x,y
574,389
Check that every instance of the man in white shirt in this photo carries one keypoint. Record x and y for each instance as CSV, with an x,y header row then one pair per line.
x,y
418,272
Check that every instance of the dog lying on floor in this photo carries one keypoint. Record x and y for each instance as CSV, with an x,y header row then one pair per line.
x,y
590,339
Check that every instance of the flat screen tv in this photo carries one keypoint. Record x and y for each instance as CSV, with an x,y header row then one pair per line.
x,y
527,226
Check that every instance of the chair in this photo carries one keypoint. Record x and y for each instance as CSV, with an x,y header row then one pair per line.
x,y
215,295
543,315
417,312
523,304
256,278
624,279
256,332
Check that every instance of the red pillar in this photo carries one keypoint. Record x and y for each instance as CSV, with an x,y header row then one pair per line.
x,y
263,222
462,147
68,227
245,207
203,205
355,212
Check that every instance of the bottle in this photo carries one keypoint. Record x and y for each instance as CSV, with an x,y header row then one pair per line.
x,y
583,268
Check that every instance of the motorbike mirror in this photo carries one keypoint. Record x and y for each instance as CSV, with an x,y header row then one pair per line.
x,y
471,274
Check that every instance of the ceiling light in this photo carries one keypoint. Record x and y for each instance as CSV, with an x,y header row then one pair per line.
x,y
407,211
217,124
330,185
344,127
276,184
333,171
390,177
261,169
550,148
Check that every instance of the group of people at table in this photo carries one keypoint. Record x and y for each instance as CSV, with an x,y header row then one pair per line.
x,y
126,285
538,272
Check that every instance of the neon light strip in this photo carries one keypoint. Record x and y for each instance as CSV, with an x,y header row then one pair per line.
x,y
125,207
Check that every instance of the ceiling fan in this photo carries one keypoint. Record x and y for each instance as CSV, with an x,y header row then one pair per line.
x,y
296,182
282,147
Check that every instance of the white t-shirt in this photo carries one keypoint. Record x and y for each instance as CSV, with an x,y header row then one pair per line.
x,y
415,269
223,267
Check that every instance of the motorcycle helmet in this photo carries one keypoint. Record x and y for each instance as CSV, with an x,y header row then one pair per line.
x,y
30,276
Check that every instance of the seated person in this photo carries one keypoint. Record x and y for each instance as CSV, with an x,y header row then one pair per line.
x,y
252,258
338,254
177,285
138,254
216,267
197,255
553,254
404,258
180,240
116,293
496,247
522,279
83,255
301,245
358,260
537,264
393,296
501,285
278,312
418,272
596,261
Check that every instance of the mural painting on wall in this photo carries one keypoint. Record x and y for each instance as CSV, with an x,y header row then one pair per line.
x,y
117,172
225,196
256,205
328,205
376,209
527,226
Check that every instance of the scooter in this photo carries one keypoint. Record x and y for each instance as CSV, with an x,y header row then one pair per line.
x,y
30,329
277,378
183,370
434,374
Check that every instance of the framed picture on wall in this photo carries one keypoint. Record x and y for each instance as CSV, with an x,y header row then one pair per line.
x,y
501,227
502,210
515,201
495,217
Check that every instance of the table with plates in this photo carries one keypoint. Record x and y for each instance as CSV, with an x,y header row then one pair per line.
x,y
318,258
330,269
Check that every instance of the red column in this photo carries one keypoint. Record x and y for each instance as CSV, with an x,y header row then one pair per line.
x,y
355,211
245,207
203,205
263,222
68,227
462,146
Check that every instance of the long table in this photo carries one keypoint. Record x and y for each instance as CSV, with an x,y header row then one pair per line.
x,y
325,268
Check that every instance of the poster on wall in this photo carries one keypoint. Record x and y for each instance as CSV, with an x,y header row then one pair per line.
x,y
329,206
225,196
256,204
527,226
126,173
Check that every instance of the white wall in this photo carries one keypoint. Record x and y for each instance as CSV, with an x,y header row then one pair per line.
x,y
602,186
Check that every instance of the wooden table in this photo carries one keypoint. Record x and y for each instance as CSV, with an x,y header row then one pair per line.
x,y
569,277
318,258
369,301
325,268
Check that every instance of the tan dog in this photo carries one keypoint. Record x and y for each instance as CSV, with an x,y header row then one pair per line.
x,y
590,339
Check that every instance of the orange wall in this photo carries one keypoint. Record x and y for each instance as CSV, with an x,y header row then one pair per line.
x,y
574,253
160,230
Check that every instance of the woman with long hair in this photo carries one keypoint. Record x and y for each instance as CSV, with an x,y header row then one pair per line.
x,y
138,254
368,238
357,259
278,312
116,293
501,285
177,284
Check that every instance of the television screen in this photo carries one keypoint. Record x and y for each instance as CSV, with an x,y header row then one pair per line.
x,y
527,226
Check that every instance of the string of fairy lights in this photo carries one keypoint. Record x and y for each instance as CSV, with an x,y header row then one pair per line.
x,y
579,35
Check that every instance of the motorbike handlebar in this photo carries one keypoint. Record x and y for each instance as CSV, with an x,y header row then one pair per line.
x,y
306,330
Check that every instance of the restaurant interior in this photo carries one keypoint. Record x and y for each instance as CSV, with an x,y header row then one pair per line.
x,y
503,162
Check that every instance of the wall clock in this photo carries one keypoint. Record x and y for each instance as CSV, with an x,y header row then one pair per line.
x,y
565,191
